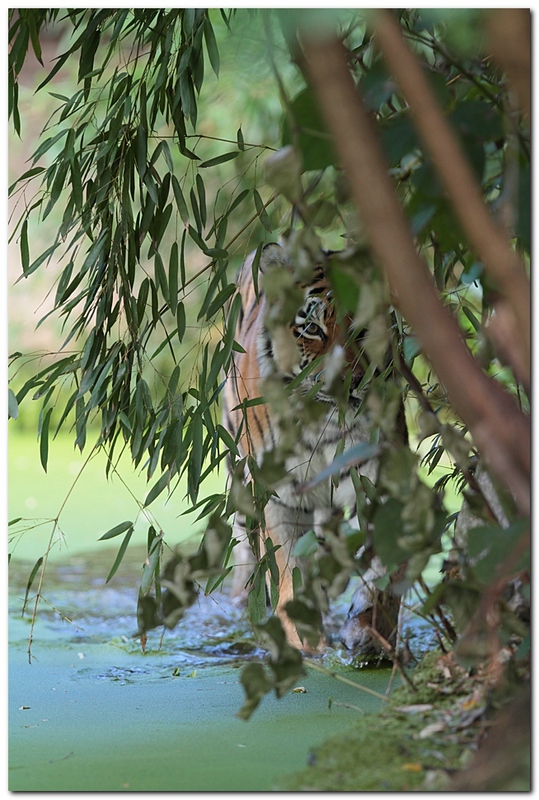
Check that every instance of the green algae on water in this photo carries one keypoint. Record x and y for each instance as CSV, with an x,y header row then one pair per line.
x,y
390,750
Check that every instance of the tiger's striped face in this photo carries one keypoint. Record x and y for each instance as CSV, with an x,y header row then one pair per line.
x,y
284,346
318,334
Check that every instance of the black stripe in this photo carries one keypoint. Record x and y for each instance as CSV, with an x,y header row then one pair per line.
x,y
252,319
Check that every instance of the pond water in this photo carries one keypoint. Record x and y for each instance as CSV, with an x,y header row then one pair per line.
x,y
91,712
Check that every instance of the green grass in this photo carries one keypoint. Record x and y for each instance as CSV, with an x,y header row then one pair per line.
x,y
86,506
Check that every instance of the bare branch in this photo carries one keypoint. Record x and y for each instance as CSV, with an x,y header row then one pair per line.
x,y
500,430
489,241
509,39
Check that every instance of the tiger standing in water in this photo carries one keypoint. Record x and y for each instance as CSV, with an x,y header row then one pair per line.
x,y
289,513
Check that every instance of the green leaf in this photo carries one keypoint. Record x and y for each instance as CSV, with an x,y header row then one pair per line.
x,y
25,253
387,530
149,183
117,530
272,562
228,440
211,45
214,583
256,599
434,599
470,316
80,423
261,211
286,662
256,683
345,284
377,86
195,236
44,440
121,553
222,159
411,348
161,276
151,564
357,454
398,137
33,574
148,616
12,405
490,548
173,266
38,262
315,143
478,119
181,321
157,488
237,200
28,174
306,545
307,618
421,218
239,138
201,190
195,462
219,301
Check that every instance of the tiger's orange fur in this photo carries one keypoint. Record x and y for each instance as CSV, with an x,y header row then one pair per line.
x,y
315,332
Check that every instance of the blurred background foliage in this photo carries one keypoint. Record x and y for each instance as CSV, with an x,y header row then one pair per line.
x,y
137,187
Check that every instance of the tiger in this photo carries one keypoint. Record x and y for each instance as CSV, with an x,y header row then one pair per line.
x,y
289,513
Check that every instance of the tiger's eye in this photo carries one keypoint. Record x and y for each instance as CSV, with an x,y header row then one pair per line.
x,y
311,328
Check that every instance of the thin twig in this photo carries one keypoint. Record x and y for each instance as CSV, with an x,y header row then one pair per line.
x,y
395,658
342,679
348,705
397,646
449,629
46,556
67,619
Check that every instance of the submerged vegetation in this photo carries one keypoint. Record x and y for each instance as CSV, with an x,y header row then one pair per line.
x,y
149,185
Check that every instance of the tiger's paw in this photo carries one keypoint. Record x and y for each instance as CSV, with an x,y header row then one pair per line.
x,y
370,610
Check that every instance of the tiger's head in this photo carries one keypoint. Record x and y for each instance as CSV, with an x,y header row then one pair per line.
x,y
314,334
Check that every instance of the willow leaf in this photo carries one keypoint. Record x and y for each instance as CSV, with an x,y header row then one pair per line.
x,y
121,553
222,159
30,581
44,440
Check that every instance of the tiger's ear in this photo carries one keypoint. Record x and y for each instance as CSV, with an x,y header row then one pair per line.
x,y
272,255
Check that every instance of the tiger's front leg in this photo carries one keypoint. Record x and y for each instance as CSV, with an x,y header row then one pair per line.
x,y
245,560
284,525
371,609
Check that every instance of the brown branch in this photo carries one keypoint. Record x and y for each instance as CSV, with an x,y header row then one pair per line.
x,y
489,241
509,40
449,629
394,657
500,430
